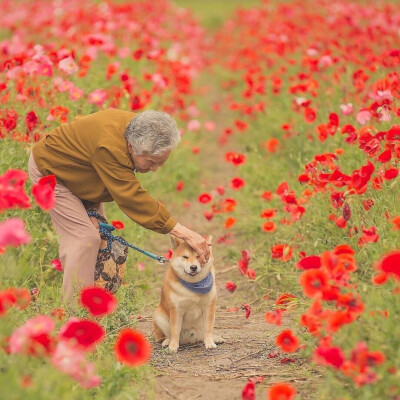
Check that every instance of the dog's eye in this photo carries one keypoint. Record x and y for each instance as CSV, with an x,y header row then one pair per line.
x,y
186,257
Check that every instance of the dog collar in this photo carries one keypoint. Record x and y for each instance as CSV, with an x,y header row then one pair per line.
x,y
202,287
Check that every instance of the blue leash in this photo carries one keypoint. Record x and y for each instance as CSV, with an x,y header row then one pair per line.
x,y
106,229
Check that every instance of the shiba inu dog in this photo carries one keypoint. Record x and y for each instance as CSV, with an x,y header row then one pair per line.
x,y
186,312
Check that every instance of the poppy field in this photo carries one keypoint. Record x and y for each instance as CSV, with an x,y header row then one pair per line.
x,y
289,113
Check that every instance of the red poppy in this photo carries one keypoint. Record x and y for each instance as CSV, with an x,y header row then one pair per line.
x,y
286,300
309,262
391,173
86,334
179,186
369,236
209,215
287,341
269,226
137,54
12,190
248,392
221,190
169,254
341,222
251,273
241,125
7,300
380,279
118,224
57,264
274,317
230,286
43,192
247,308
282,251
267,195
314,282
281,391
237,183
303,178
204,198
385,156
22,297
309,114
132,348
268,213
390,263
396,223
229,222
98,301
287,360
343,249
330,356
235,158
337,319
272,145
244,261
393,133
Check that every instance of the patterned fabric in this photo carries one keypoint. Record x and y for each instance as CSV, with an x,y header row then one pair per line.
x,y
202,287
110,264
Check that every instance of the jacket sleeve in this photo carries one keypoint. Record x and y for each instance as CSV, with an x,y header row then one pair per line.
x,y
126,191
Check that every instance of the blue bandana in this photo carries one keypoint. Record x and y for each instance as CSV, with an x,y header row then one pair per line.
x,y
202,287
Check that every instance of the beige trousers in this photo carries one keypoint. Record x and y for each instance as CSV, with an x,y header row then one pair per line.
x,y
79,240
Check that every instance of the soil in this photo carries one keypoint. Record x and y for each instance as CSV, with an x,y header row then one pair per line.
x,y
221,373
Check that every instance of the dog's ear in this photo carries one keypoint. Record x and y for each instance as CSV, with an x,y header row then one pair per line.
x,y
174,242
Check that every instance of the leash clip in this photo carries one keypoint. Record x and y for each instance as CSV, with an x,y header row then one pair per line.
x,y
163,260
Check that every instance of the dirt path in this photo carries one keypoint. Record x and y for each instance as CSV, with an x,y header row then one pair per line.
x,y
197,373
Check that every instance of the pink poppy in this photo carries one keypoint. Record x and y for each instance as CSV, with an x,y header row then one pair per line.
x,y
33,337
346,109
363,117
72,361
97,97
68,65
12,233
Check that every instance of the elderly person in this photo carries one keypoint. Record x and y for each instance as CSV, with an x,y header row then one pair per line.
x,y
94,159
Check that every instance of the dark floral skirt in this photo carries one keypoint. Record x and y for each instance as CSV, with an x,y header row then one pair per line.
x,y
110,264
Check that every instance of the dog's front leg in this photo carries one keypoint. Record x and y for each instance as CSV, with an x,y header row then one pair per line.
x,y
175,317
208,319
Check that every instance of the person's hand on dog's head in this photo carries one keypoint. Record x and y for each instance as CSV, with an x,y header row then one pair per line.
x,y
194,240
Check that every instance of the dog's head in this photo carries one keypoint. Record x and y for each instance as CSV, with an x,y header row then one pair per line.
x,y
186,263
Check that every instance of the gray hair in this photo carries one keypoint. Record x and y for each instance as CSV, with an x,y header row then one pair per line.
x,y
152,132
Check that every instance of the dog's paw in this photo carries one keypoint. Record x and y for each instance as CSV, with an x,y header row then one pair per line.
x,y
210,344
165,343
173,347
219,339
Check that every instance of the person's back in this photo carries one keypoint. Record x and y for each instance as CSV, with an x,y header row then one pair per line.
x,y
68,151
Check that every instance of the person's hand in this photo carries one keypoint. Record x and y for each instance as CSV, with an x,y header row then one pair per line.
x,y
194,240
